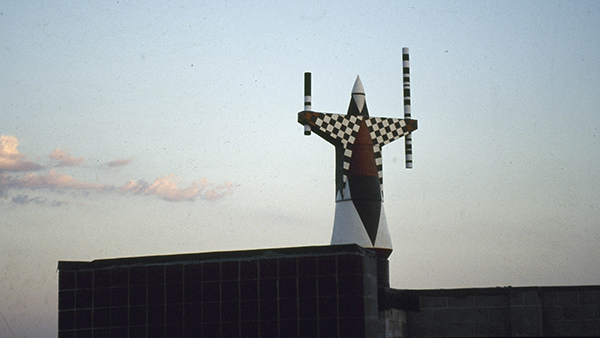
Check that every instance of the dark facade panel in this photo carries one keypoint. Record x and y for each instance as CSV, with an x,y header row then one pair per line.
x,y
296,292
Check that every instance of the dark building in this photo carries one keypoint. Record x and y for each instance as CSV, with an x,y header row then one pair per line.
x,y
327,291
322,291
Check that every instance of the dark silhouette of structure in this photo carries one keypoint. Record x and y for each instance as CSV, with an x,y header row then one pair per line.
x,y
322,291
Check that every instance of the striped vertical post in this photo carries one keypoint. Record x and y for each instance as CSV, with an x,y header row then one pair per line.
x,y
406,85
307,100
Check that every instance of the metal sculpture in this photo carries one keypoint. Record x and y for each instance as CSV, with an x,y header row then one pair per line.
x,y
358,139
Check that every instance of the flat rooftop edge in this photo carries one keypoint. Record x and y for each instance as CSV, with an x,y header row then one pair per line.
x,y
215,256
487,291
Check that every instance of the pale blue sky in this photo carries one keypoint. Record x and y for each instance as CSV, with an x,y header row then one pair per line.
x,y
505,188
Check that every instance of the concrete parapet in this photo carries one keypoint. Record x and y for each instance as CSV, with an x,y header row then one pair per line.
x,y
506,311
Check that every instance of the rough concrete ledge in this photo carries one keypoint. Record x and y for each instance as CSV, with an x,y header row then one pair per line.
x,y
506,311
502,290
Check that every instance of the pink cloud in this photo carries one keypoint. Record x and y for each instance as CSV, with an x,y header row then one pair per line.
x,y
220,191
65,159
57,180
11,159
52,180
168,189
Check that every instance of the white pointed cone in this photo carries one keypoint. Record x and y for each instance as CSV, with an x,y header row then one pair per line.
x,y
358,86
358,93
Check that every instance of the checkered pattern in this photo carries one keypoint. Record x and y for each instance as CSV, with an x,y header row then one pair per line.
x,y
341,131
338,127
386,130
379,164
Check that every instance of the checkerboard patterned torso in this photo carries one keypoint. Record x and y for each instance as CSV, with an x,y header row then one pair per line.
x,y
341,130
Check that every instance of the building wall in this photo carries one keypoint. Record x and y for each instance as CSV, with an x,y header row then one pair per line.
x,y
522,311
325,291
299,292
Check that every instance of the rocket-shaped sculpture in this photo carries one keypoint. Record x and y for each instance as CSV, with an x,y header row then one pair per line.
x,y
358,139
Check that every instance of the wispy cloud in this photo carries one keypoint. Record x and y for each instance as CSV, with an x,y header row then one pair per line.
x,y
168,188
64,159
57,180
11,159
24,199
53,181
119,163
